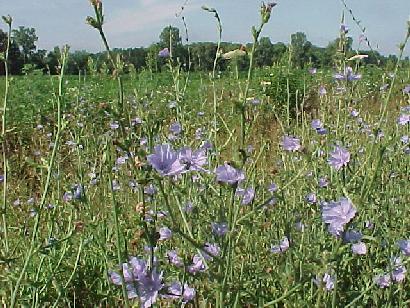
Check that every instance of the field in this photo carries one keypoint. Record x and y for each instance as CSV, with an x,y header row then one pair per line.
x,y
273,187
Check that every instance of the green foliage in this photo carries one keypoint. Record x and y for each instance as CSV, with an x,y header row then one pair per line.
x,y
286,89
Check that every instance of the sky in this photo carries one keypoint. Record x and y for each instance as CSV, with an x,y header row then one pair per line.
x,y
136,23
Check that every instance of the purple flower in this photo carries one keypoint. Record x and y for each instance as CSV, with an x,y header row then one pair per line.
x,y
311,198
337,214
114,125
272,188
347,75
247,194
136,276
198,265
188,294
327,280
210,251
228,174
193,160
290,143
174,259
354,113
316,124
165,233
344,29
404,246
165,160
359,248
406,89
150,190
175,290
148,287
383,281
403,119
175,128
164,53
68,196
339,158
219,228
322,91
282,247
323,182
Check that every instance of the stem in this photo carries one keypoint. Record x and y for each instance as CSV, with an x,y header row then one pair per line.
x,y
3,137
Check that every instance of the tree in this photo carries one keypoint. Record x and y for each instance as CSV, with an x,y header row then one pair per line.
x,y
26,39
300,49
15,58
264,52
170,35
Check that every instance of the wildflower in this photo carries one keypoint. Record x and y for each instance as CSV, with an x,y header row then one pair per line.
x,y
344,29
228,174
210,250
68,196
339,158
327,279
165,233
403,119
347,75
272,188
290,143
193,160
164,53
174,259
322,91
136,121
175,128
282,247
316,124
165,160
311,198
198,265
148,287
359,248
337,214
404,246
406,89
323,182
175,291
383,281
247,194
150,190
219,228
114,125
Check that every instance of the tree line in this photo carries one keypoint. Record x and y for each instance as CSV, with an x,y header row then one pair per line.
x,y
25,58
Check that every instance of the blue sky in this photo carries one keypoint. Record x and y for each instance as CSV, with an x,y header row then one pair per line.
x,y
134,23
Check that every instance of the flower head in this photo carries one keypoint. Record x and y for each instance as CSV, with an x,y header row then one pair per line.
x,y
282,247
166,161
359,248
337,214
164,53
404,246
228,174
290,143
327,280
247,195
339,158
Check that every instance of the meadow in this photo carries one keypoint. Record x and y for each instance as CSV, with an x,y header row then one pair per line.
x,y
274,187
